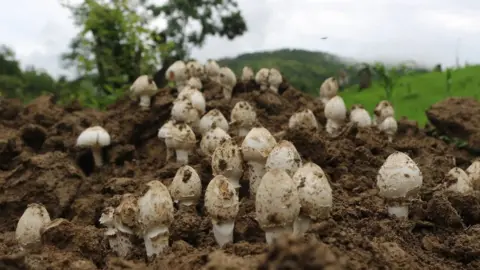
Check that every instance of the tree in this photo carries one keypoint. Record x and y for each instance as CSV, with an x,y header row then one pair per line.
x,y
118,42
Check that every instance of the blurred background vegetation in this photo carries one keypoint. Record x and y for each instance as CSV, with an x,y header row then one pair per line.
x,y
116,43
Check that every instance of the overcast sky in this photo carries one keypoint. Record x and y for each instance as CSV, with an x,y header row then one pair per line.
x,y
427,31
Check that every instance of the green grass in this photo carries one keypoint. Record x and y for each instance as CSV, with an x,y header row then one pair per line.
x,y
426,89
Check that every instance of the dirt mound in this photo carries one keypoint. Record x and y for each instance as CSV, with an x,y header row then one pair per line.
x,y
40,163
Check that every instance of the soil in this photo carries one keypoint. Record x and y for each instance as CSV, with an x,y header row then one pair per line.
x,y
40,163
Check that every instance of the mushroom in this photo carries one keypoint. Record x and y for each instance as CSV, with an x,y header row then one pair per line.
x,y
389,126
227,80
383,110
304,119
274,79
29,225
398,179
277,204
227,160
336,114
328,89
177,72
163,133
221,203
183,111
186,187
194,83
261,78
155,217
212,70
212,139
181,138
195,69
473,172
284,156
212,119
119,242
315,196
256,147
243,117
247,74
195,97
144,87
360,116
94,137
461,183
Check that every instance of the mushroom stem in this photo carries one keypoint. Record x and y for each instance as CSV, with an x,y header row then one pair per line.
x,y
272,233
169,154
145,102
242,131
97,155
273,88
390,138
235,181
182,156
301,225
256,170
227,93
156,241
264,87
223,231
398,211
186,203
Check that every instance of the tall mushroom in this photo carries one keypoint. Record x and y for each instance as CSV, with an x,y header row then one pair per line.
x,y
144,87
95,138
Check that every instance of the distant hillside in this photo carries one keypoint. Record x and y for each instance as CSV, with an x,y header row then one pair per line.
x,y
305,70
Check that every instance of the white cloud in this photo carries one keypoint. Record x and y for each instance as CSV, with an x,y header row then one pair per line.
x,y
427,31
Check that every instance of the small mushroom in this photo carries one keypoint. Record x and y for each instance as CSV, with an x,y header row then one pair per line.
x,y
328,89
261,78
315,196
277,204
213,139
462,182
336,114
155,217
181,138
383,110
119,242
247,74
186,187
194,83
177,72
360,116
29,226
389,126
304,119
183,111
222,205
145,88
473,172
212,70
274,79
195,69
165,132
227,80
227,160
256,147
212,119
284,156
398,179
94,137
195,97
243,117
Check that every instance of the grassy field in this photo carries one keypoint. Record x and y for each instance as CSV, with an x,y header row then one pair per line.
x,y
413,95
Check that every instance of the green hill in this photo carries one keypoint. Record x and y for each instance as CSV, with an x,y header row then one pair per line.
x,y
414,94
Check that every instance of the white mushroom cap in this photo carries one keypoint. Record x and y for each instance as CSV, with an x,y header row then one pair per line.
x,y
165,130
107,217
195,83
243,115
277,202
335,109
247,74
144,85
181,137
195,97
399,177
383,110
473,172
213,139
155,207
186,187
389,126
227,77
303,119
360,116
328,89
463,184
258,144
284,156
221,199
29,225
195,69
274,79
314,191
177,71
262,76
93,136
125,214
212,119
183,111
212,69
227,160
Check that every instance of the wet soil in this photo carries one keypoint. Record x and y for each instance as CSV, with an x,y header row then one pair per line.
x,y
40,163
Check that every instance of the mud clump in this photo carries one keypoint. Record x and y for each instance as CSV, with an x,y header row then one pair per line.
x,y
39,163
